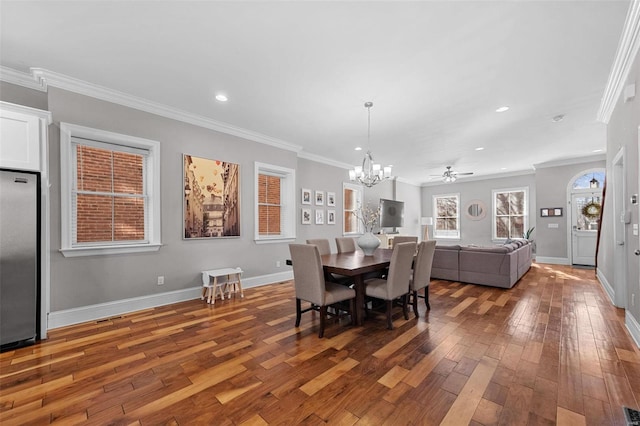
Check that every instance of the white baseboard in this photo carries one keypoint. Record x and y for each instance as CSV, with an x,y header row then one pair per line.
x,y
72,316
633,327
606,286
553,260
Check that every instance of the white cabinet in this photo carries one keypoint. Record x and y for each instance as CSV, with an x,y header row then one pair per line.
x,y
22,131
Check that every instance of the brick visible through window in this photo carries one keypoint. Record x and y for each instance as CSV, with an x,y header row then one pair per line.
x,y
269,207
109,195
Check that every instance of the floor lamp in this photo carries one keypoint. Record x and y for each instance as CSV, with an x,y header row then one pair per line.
x,y
426,221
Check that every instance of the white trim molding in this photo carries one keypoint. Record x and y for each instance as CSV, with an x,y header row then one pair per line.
x,y
627,51
606,286
21,79
553,260
633,327
106,310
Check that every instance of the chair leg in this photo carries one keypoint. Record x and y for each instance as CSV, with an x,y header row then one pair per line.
x,y
323,318
405,307
415,303
389,322
298,311
426,298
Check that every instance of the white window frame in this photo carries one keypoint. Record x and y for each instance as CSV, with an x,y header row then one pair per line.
x,y
287,203
494,229
359,201
95,137
451,234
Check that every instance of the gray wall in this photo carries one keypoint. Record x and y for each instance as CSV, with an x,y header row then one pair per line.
x,y
91,280
551,184
23,96
623,131
478,231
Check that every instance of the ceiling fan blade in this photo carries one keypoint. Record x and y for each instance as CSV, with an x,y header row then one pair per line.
x,y
465,173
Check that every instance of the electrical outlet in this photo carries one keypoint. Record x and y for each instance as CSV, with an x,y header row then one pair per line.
x,y
277,264
161,280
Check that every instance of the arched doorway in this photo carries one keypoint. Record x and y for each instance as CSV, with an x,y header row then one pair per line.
x,y
585,199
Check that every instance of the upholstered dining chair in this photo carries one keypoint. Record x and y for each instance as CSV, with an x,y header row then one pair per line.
x,y
404,239
311,286
396,284
346,244
323,245
422,273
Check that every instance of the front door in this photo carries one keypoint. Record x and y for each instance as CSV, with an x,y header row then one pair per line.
x,y
585,217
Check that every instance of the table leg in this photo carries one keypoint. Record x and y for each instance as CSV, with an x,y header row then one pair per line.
x,y
359,287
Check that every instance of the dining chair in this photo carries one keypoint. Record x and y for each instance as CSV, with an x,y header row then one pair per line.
x,y
422,273
346,244
323,245
396,285
404,239
310,285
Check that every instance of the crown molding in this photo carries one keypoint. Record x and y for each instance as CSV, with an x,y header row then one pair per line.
x,y
570,161
20,78
323,160
41,79
408,182
627,51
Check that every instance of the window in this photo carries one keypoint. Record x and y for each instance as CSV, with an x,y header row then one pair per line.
x,y
110,192
352,196
446,212
510,213
275,203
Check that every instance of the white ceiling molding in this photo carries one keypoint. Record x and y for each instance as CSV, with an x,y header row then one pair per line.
x,y
408,182
570,161
41,79
20,78
323,160
626,54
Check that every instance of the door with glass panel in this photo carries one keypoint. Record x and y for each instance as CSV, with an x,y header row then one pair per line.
x,y
586,202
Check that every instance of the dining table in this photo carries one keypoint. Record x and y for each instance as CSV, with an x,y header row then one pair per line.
x,y
357,266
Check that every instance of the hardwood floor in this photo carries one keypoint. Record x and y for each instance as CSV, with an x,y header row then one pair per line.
x,y
552,350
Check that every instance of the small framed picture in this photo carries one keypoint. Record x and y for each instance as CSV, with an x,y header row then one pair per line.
x,y
319,217
331,216
331,199
319,198
544,212
306,216
557,211
306,196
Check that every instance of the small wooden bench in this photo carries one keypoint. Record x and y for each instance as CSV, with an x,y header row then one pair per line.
x,y
226,277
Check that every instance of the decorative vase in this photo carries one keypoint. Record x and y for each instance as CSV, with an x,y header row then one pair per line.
x,y
368,243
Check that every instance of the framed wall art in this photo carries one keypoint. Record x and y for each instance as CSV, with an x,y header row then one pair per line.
x,y
319,198
319,217
331,199
551,212
211,198
331,217
306,216
306,196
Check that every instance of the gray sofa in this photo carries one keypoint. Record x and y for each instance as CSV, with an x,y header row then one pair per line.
x,y
499,266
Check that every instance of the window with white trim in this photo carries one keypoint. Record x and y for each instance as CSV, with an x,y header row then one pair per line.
x,y
275,203
110,186
352,200
510,218
446,212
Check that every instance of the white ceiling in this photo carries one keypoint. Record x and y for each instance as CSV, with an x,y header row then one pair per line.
x,y
300,72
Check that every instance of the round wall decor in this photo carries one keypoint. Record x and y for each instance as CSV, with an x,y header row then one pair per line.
x,y
591,210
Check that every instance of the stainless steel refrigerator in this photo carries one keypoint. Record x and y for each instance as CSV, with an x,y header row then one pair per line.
x,y
19,257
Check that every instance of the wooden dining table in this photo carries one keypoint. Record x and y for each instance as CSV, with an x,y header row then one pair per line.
x,y
357,265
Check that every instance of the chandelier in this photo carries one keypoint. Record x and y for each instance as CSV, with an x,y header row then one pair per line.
x,y
369,173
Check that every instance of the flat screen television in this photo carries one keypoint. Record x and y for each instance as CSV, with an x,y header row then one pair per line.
x,y
391,213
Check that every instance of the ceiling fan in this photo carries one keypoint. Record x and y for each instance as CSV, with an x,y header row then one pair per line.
x,y
450,176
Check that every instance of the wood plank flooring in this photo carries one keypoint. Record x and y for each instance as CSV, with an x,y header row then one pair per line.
x,y
552,350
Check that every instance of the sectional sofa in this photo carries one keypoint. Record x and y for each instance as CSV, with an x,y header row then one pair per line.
x,y
498,266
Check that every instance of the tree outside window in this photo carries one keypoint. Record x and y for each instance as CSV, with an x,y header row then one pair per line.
x,y
510,213
447,216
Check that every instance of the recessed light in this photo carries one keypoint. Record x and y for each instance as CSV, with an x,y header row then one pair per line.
x,y
503,168
358,148
222,98
597,150
480,148
558,118
502,109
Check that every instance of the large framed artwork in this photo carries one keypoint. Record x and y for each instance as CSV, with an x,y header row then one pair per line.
x,y
211,198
